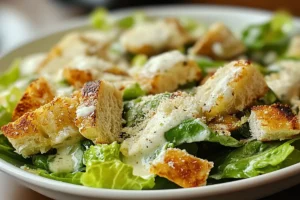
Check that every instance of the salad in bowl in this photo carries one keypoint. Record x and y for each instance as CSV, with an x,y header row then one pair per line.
x,y
155,103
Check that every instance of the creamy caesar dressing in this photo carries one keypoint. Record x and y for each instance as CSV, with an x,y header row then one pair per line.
x,y
68,159
162,62
218,88
85,111
138,148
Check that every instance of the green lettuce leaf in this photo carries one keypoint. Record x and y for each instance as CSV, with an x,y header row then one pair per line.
x,y
104,169
131,20
99,19
139,60
73,178
132,92
12,98
272,35
103,152
193,130
5,116
207,64
11,75
255,158
7,153
114,175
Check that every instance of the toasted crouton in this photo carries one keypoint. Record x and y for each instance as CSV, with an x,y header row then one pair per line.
x,y
274,122
294,47
155,37
167,71
231,89
181,168
72,45
38,93
218,43
50,126
77,77
99,115
286,82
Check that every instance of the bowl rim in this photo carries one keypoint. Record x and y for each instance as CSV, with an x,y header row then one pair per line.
x,y
79,190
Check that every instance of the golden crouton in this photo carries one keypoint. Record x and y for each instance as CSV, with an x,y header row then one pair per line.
x,y
274,122
77,77
218,43
181,168
155,37
286,82
50,126
294,47
36,94
99,115
86,43
231,89
166,72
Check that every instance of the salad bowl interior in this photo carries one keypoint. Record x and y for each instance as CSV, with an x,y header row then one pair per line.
x,y
237,19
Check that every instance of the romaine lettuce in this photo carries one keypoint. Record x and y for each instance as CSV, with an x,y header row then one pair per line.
x,y
11,75
5,116
104,169
132,92
272,35
255,158
7,153
193,130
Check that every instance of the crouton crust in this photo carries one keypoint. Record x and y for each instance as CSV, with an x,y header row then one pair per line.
x,y
49,126
36,94
218,43
77,77
181,168
231,89
102,124
274,122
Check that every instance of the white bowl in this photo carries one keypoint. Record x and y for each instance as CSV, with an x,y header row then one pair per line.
x,y
252,188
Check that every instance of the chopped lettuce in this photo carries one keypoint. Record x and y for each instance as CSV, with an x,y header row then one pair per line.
x,y
12,98
11,75
207,65
272,35
133,91
193,130
99,19
73,178
5,116
104,169
255,158
7,153
139,60
131,20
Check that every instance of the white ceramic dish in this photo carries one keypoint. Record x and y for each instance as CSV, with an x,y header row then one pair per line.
x,y
252,188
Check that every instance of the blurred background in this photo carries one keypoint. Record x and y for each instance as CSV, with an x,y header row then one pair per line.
x,y
24,19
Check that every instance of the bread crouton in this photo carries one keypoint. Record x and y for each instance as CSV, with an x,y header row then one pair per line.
x,y
155,37
286,82
166,72
72,45
231,89
50,126
181,168
99,114
38,93
274,122
77,77
218,43
294,47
